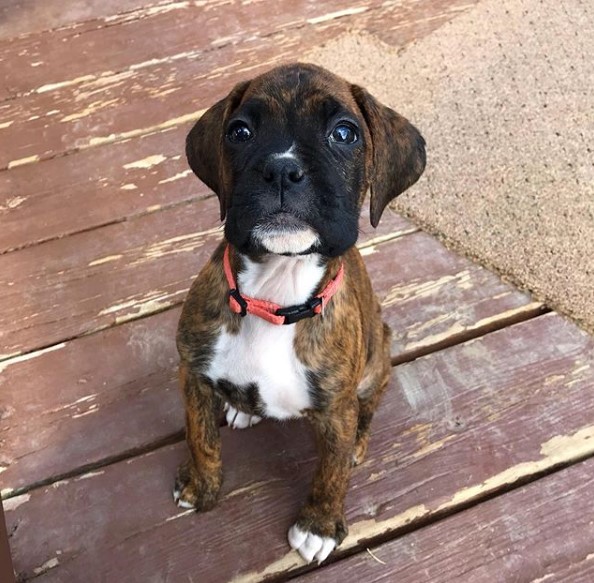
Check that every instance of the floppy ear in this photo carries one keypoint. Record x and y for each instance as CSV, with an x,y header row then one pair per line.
x,y
204,144
398,152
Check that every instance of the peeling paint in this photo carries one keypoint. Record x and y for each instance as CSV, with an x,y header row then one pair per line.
x,y
61,84
176,177
14,503
285,564
388,237
92,409
46,566
89,475
365,251
85,399
147,162
23,161
148,11
136,307
337,14
15,202
175,245
29,356
458,328
6,124
170,123
181,514
107,259
89,110
421,289
129,186
558,449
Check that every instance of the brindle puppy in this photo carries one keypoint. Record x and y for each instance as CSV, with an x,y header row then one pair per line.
x,y
291,155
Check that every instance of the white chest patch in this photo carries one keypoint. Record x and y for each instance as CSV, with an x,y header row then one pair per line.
x,y
264,353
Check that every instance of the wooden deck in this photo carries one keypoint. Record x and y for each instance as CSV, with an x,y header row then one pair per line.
x,y
479,467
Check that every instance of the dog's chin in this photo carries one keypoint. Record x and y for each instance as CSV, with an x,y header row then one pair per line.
x,y
286,240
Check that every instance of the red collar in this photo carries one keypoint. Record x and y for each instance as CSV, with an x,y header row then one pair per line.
x,y
272,312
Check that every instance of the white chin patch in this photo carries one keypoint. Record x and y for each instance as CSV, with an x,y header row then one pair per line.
x,y
286,241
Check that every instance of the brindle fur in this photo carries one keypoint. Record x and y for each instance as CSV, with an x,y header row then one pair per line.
x,y
346,351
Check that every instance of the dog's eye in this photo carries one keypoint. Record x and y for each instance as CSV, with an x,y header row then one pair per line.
x,y
344,133
239,132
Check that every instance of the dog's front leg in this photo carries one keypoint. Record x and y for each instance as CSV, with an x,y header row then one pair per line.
x,y
199,479
321,525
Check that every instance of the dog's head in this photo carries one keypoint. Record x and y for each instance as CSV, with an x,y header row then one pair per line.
x,y
291,155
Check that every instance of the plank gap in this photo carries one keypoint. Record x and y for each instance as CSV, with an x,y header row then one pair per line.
x,y
499,322
108,461
123,219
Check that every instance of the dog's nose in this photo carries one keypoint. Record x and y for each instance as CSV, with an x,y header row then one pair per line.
x,y
282,172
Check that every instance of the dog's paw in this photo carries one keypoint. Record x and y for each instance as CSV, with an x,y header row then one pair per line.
x,y
315,534
191,492
309,545
238,420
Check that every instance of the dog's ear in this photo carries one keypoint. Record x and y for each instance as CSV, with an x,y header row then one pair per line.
x,y
398,152
204,144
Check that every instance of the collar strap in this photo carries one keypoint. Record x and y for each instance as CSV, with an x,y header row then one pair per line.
x,y
272,312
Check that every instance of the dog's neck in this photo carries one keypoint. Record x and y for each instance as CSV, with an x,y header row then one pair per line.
x,y
284,280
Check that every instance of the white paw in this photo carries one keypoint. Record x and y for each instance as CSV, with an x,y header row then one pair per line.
x,y
238,420
180,503
310,546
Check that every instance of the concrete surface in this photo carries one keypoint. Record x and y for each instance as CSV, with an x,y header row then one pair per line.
x,y
504,97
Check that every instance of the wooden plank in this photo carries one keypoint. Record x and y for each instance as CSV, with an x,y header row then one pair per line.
x,y
96,279
19,17
129,103
465,423
96,187
124,377
541,532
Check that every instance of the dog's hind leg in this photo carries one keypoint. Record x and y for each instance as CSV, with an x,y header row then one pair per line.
x,y
372,387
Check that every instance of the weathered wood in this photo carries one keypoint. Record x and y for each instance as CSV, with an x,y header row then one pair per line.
x,y
71,286
20,17
88,400
124,378
95,187
137,101
169,31
181,30
430,296
541,532
96,279
464,423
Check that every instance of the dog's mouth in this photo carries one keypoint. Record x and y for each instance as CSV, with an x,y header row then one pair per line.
x,y
285,234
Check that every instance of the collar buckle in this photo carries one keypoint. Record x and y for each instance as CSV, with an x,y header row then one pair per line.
x,y
293,314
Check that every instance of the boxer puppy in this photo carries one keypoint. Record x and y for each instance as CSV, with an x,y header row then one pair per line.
x,y
282,321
